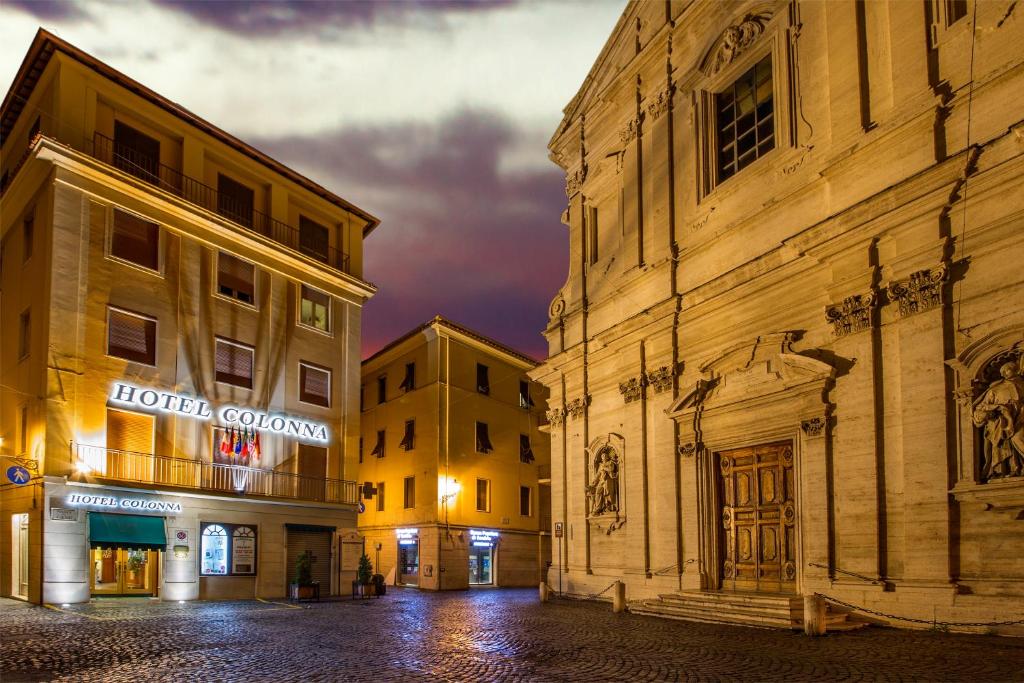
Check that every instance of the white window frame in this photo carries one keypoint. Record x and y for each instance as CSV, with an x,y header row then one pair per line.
x,y
109,243
329,332
225,297
134,314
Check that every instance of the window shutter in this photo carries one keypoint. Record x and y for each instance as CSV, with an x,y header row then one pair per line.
x,y
315,385
129,431
483,440
525,401
235,278
410,434
378,450
483,383
135,240
409,382
131,337
524,501
234,364
525,451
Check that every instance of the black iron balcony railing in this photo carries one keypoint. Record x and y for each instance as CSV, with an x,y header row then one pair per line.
x,y
113,464
309,242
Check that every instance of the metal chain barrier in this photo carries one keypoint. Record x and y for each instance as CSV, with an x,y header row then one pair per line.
x,y
587,596
932,622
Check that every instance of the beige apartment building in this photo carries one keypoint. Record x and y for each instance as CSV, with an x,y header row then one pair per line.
x,y
787,357
453,468
180,349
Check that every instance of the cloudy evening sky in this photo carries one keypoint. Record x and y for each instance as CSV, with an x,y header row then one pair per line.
x,y
432,115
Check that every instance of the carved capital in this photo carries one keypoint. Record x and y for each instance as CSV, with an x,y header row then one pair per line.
x,y
853,314
555,416
660,103
661,378
920,292
574,181
632,389
688,450
575,407
814,427
632,129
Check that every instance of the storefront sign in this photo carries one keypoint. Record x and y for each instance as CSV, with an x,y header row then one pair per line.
x,y
243,554
167,402
103,502
63,514
407,536
483,538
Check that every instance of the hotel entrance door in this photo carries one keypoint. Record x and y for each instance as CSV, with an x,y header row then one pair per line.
x,y
121,571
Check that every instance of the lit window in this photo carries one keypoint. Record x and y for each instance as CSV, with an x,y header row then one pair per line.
x,y
214,560
483,495
135,240
227,550
314,385
745,120
236,278
483,440
131,336
233,362
410,435
315,309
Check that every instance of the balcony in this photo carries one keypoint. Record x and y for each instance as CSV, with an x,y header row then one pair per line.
x,y
131,161
128,466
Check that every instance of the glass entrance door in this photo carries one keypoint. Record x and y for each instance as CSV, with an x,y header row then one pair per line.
x,y
409,563
122,571
481,565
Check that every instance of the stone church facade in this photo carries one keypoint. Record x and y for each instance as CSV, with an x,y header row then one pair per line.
x,y
787,357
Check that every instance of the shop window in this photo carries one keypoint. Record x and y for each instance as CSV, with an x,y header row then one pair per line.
x,y
227,550
314,385
409,438
525,451
135,240
315,309
483,440
483,383
233,363
28,235
131,336
24,333
409,381
380,496
235,200
745,120
236,279
382,389
378,449
313,239
483,495
409,497
525,501
525,400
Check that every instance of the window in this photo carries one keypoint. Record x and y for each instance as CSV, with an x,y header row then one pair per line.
x,y
315,309
483,495
24,430
24,333
525,495
380,496
409,498
483,441
592,245
525,452
382,389
410,435
135,240
136,153
314,385
34,130
360,450
955,11
236,278
233,363
378,449
745,123
524,395
362,397
129,432
409,381
234,200
227,550
313,239
483,384
28,235
131,336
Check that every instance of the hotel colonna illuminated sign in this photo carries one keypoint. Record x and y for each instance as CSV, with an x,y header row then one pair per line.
x,y
153,400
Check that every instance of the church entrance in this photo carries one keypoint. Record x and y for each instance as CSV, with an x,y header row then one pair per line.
x,y
757,491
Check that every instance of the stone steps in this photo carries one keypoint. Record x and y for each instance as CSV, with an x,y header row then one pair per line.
x,y
761,610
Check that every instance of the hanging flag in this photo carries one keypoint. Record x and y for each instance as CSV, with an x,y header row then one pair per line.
x,y
256,444
225,443
236,441
244,450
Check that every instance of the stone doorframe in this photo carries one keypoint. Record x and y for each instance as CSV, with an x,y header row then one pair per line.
x,y
755,393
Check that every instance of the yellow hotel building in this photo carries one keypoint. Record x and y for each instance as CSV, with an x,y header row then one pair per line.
x,y
180,349
454,473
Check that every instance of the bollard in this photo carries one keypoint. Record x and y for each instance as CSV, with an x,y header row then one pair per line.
x,y
619,597
544,594
814,615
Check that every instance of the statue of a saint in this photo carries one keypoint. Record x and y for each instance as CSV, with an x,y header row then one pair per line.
x,y
604,491
999,412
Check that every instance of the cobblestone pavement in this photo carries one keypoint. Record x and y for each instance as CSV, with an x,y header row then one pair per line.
x,y
484,635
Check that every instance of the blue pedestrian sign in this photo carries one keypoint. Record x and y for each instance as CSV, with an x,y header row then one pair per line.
x,y
362,507
18,475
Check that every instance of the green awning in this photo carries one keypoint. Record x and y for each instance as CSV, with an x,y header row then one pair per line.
x,y
135,532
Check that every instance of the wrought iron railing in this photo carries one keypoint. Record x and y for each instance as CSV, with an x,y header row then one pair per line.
x,y
111,463
135,163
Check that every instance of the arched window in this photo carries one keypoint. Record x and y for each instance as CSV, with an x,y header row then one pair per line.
x,y
214,561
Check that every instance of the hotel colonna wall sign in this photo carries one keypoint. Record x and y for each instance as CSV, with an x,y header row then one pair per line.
x,y
153,400
110,501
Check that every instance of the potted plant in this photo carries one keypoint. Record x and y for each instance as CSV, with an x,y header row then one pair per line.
x,y
303,587
363,585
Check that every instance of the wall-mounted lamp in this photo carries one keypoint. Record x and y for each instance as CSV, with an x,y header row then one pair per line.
x,y
449,488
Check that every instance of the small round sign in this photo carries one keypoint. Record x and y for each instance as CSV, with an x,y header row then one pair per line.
x,y
18,475
362,507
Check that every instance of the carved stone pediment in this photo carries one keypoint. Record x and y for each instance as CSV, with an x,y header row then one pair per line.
x,y
734,41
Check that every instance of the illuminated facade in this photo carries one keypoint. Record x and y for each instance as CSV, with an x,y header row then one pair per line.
x,y
180,351
454,468
787,357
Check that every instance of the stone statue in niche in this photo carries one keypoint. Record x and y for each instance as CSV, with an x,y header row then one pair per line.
x,y
604,491
999,414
